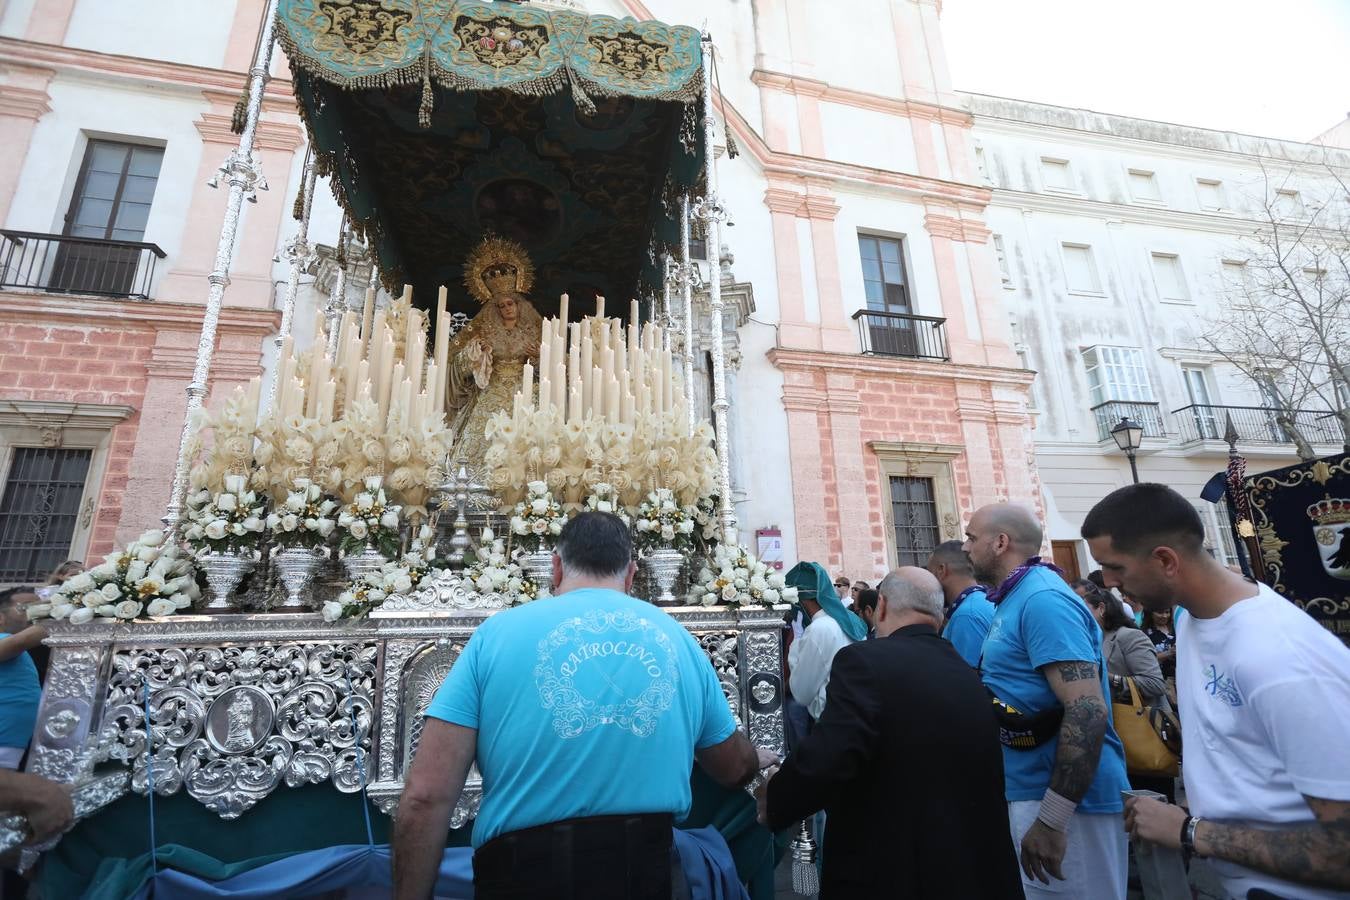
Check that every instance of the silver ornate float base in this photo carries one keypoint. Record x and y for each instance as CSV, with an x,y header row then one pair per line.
x,y
295,568
539,566
358,565
224,571
665,569
242,704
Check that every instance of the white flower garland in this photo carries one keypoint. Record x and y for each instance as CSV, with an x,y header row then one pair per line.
x,y
150,577
537,519
734,577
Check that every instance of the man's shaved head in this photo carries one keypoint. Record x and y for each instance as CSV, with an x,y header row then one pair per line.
x,y
999,538
1017,522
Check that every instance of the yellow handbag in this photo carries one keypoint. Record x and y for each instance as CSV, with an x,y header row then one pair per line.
x,y
1150,733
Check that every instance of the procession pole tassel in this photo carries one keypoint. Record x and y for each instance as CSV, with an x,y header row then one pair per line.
x,y
299,254
805,877
713,213
245,178
337,301
687,295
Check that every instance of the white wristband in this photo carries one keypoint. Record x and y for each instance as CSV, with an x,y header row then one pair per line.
x,y
1056,811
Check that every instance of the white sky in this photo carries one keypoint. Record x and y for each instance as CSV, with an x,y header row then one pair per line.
x,y
1278,69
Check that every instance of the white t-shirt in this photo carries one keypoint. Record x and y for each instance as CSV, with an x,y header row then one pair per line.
x,y
1264,692
810,658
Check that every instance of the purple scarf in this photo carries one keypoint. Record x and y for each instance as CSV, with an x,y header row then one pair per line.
x,y
961,598
1003,590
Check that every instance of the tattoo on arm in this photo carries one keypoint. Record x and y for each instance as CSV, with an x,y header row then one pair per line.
x,y
1083,729
1317,853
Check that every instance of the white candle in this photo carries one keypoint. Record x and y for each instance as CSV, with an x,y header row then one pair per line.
x,y
433,391
416,350
587,363
367,314
633,314
599,306
545,393
545,358
597,405
612,399
562,308
574,401
527,384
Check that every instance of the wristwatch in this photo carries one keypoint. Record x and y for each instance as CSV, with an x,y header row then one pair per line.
x,y
1188,835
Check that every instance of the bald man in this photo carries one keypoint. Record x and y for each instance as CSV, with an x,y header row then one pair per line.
x,y
1062,762
905,762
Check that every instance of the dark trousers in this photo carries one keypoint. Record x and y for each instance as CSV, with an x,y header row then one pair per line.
x,y
596,858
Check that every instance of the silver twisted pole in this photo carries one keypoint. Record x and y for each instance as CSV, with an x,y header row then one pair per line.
x,y
687,295
337,301
299,254
245,177
713,213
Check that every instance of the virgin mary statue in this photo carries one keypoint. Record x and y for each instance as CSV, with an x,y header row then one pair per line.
x,y
488,355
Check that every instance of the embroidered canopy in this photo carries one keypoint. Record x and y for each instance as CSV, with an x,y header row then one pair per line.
x,y
439,121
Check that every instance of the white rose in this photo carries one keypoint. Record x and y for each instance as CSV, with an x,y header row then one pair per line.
x,y
758,583
537,487
227,502
373,482
375,595
253,523
194,533
216,530
295,502
180,601
290,522
237,529
311,524
199,498
161,606
555,527
402,584
325,527
111,591
709,599
488,536
389,519
107,611
151,538
358,530
273,521
80,583
332,611
539,507
127,609
667,532
235,484
93,600
789,595
604,506
518,526
62,610
539,526
729,593
770,595
364,502
686,526
81,616
484,583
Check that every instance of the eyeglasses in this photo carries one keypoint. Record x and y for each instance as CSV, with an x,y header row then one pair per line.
x,y
841,586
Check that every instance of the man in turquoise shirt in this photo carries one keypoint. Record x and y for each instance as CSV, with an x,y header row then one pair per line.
x,y
967,609
1063,765
585,712
20,691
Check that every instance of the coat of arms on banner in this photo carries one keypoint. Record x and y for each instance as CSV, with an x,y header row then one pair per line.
x,y
1331,528
1302,519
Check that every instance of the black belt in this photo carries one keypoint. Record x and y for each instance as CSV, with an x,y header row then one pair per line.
x,y
597,857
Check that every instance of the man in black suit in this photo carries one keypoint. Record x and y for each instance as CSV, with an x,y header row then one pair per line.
x,y
906,762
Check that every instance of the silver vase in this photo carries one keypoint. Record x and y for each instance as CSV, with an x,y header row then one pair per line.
x,y
538,565
224,571
358,565
664,567
295,567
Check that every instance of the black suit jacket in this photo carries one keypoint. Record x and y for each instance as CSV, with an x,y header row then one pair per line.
x,y
907,765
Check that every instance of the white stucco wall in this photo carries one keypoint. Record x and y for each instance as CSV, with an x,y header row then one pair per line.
x,y
186,31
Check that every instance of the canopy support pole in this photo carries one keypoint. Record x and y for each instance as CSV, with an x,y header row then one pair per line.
x,y
711,211
687,318
244,173
299,252
337,301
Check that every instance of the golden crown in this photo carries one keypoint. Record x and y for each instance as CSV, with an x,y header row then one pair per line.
x,y
497,265
1330,512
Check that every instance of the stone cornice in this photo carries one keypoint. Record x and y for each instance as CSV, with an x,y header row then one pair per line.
x,y
133,68
895,106
943,226
61,414
788,359
22,307
1029,201
215,129
785,201
23,103
803,398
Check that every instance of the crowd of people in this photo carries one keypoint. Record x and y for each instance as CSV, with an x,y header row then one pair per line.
x,y
976,728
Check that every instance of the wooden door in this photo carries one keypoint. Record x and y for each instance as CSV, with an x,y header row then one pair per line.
x,y
1066,557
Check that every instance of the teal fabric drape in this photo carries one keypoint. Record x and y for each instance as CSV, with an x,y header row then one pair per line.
x,y
809,576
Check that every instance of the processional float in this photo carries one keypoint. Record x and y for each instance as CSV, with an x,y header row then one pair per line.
x,y
328,552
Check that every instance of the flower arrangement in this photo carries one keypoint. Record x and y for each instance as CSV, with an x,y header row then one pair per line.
x,y
401,576
370,520
706,535
305,519
538,518
152,576
493,570
661,522
734,577
227,522
603,498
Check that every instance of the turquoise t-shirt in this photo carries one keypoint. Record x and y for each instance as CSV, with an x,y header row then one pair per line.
x,y
586,704
19,697
969,626
1040,622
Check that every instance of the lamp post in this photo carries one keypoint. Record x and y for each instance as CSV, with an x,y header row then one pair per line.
x,y
1128,435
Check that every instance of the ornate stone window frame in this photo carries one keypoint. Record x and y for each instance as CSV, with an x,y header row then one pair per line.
x,y
919,460
66,426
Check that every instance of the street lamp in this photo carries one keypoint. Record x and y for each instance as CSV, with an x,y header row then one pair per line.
x,y
1128,435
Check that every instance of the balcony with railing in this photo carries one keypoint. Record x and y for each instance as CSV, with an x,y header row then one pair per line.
x,y
902,335
60,264
1147,414
1256,424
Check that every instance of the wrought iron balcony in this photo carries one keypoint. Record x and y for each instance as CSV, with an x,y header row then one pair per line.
x,y
71,265
1256,424
1147,414
899,334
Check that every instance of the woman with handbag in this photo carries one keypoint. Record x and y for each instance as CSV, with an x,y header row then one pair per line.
x,y
1137,687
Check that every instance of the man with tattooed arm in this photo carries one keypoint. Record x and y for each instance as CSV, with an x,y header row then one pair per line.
x,y
1063,765
1264,694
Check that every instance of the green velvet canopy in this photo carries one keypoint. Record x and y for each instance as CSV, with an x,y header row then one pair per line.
x,y
441,121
